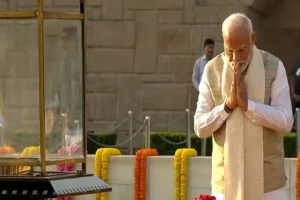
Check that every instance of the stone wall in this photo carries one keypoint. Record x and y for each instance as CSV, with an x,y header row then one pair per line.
x,y
282,32
19,74
141,56
140,53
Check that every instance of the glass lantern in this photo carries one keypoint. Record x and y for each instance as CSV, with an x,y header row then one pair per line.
x,y
43,76
42,98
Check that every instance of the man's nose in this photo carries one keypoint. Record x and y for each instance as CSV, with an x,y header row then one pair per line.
x,y
236,57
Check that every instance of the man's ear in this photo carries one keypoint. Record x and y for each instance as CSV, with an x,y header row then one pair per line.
x,y
253,37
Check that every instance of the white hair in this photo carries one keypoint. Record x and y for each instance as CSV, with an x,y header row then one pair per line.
x,y
236,21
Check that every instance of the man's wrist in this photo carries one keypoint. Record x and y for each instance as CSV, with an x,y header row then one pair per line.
x,y
227,109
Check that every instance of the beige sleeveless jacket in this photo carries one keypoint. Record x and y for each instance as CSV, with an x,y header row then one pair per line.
x,y
274,173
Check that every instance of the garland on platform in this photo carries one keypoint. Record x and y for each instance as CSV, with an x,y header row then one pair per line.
x,y
140,172
104,165
97,168
101,166
67,167
205,197
137,163
177,163
183,170
298,178
143,171
180,172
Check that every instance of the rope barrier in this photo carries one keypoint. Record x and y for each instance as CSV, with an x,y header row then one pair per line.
x,y
119,144
143,125
135,134
165,125
174,143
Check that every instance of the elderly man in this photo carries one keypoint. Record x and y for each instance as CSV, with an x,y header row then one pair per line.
x,y
244,103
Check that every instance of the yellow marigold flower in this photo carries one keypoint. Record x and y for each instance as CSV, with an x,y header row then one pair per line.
x,y
104,165
180,172
31,151
97,167
183,170
177,163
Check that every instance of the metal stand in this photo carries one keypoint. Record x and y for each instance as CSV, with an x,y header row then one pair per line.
x,y
188,111
130,133
1,135
203,147
148,132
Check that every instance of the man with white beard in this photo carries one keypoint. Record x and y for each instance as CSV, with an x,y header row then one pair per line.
x,y
244,103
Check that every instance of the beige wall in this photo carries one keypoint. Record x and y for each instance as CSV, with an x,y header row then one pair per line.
x,y
281,34
141,53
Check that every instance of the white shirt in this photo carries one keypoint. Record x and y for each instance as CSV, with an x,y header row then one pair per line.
x,y
277,116
198,71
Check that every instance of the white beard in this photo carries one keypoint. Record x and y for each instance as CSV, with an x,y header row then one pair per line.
x,y
243,64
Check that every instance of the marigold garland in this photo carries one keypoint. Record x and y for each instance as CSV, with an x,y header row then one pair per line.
x,y
183,170
104,165
97,168
205,197
177,163
140,172
180,172
65,167
298,178
137,161
101,166
143,171
31,151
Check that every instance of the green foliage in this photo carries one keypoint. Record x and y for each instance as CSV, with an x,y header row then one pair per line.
x,y
165,148
102,138
290,145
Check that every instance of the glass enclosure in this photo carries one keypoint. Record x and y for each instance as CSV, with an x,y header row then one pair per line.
x,y
19,74
63,87
42,90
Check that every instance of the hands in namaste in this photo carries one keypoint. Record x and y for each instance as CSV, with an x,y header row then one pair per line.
x,y
238,95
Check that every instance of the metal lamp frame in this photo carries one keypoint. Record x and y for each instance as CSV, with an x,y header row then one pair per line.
x,y
40,15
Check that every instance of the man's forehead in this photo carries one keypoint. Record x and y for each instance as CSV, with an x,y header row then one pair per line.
x,y
236,48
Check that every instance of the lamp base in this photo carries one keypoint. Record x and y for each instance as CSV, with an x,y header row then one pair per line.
x,y
51,186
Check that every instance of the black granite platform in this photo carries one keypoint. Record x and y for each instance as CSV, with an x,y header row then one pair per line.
x,y
62,185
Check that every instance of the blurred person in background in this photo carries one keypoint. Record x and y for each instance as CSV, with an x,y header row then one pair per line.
x,y
200,63
295,86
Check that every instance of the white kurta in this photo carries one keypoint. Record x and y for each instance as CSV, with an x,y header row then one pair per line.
x,y
277,116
